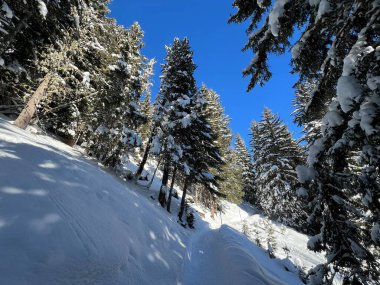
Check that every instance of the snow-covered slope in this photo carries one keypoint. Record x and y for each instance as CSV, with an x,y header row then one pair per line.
x,y
65,220
224,256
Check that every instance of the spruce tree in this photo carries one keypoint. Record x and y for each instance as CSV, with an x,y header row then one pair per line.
x,y
231,183
26,29
172,116
118,111
338,48
276,156
202,152
311,129
245,163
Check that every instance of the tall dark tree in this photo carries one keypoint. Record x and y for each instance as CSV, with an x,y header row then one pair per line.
x,y
172,116
339,50
202,153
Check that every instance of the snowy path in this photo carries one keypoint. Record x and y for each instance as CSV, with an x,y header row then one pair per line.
x,y
224,256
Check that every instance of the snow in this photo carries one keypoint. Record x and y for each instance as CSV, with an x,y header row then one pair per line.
x,y
315,149
66,220
302,192
102,130
230,254
86,78
186,121
323,8
156,145
368,112
373,82
348,91
186,168
42,8
260,3
375,233
296,49
276,13
7,10
304,173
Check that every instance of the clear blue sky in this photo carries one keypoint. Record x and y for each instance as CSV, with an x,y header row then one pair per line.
x,y
217,53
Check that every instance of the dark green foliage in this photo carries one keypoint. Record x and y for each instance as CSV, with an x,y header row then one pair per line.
x,y
338,53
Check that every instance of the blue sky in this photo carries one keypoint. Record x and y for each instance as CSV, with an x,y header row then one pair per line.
x,y
217,53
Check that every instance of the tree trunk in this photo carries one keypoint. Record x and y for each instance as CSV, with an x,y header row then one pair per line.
x,y
213,206
165,178
145,156
27,113
171,190
154,174
182,208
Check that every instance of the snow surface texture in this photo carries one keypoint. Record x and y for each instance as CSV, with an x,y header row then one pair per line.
x,y
235,261
64,220
291,246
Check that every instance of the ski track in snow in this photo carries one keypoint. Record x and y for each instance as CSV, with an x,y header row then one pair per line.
x,y
223,256
64,220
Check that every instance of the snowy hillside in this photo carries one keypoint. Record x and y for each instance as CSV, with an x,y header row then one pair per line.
x,y
65,220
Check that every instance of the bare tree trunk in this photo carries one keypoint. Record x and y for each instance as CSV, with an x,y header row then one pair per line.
x,y
182,208
171,189
27,113
213,207
165,178
154,174
145,156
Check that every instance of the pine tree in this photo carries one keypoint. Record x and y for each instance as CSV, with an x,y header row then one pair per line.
x,y
245,163
338,49
276,156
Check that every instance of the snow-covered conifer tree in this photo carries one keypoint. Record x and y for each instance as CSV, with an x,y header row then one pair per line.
x,y
231,183
339,50
26,29
245,163
276,156
202,153
118,111
172,116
